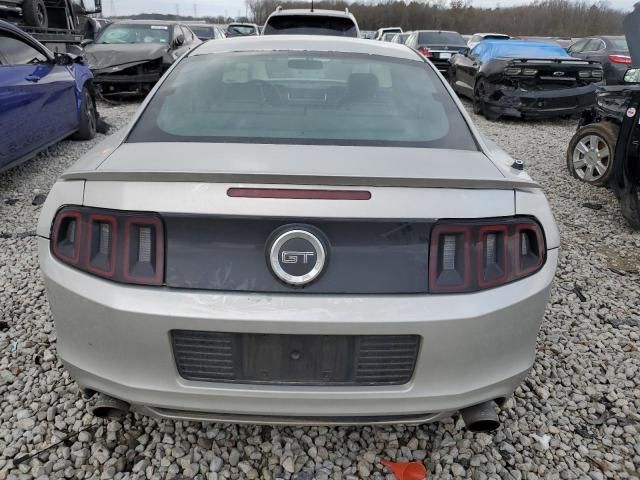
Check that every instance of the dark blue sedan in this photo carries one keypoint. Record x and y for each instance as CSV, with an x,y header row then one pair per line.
x,y
44,97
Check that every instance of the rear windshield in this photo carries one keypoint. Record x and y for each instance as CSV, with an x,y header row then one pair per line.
x,y
619,43
304,98
440,38
202,31
310,25
496,37
242,29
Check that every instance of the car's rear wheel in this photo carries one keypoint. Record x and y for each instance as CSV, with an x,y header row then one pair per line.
x,y
590,155
88,117
35,13
478,94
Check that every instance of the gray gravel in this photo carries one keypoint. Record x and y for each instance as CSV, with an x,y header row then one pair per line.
x,y
576,416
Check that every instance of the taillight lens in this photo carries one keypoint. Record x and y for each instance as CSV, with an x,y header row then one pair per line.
x,y
625,59
425,52
467,256
121,246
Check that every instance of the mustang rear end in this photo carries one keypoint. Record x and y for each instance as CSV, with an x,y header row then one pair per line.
x,y
253,250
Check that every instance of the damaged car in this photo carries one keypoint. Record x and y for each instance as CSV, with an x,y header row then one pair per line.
x,y
524,79
590,155
129,57
606,150
45,97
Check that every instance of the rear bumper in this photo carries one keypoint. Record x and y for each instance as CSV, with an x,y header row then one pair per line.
x,y
541,104
115,339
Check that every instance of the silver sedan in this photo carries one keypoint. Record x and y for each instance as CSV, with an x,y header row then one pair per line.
x,y
301,230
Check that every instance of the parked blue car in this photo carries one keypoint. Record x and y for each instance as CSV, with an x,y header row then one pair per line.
x,y
44,97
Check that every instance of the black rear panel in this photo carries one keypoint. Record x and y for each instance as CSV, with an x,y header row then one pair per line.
x,y
295,359
230,254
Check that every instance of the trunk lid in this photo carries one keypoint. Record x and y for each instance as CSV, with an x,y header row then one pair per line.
x,y
300,165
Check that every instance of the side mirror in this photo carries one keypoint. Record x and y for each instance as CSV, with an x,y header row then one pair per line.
x,y
632,75
86,41
179,41
63,59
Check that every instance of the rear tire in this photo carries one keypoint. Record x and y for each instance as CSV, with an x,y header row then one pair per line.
x,y
478,93
35,13
591,153
88,117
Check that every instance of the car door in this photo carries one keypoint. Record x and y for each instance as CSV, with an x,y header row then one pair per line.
x,y
626,176
466,67
38,102
595,49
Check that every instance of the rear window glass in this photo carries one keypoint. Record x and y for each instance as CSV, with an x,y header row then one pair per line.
x,y
619,43
202,31
304,98
440,38
496,37
242,29
310,25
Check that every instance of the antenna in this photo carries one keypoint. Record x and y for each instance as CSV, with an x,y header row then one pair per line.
x,y
312,5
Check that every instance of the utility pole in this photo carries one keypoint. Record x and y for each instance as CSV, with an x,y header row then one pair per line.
x,y
112,8
195,10
178,10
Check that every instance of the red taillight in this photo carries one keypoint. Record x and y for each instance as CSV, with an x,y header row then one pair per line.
x,y
425,52
471,256
121,246
299,194
625,59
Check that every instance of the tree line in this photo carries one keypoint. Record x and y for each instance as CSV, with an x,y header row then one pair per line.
x,y
561,18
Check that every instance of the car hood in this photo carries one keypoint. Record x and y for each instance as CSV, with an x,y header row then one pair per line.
x,y
101,56
300,165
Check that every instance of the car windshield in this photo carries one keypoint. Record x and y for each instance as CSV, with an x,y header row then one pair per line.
x,y
310,25
202,31
440,38
241,29
388,36
122,33
619,43
304,98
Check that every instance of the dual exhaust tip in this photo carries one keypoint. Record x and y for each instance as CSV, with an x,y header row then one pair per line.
x,y
478,418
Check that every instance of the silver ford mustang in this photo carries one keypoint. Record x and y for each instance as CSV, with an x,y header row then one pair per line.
x,y
299,230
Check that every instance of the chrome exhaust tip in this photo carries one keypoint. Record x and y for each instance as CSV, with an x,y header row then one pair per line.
x,y
481,418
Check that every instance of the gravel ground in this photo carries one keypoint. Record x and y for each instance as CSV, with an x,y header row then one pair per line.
x,y
576,416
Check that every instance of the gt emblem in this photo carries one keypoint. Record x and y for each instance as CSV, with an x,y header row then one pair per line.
x,y
297,256
558,74
294,257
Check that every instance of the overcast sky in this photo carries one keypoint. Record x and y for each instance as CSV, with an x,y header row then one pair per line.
x,y
235,8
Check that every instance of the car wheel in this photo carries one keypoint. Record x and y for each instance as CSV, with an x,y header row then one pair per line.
x,y
478,94
88,117
591,152
35,13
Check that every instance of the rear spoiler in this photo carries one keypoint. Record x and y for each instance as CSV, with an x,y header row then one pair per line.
x,y
553,61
